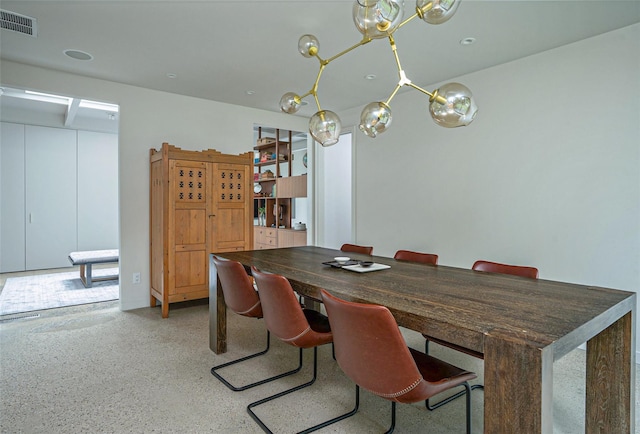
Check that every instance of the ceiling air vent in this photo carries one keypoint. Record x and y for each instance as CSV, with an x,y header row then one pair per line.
x,y
18,23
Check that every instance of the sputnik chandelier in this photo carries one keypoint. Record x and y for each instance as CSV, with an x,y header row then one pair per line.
x,y
451,105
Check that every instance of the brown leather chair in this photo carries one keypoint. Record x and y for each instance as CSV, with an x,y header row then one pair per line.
x,y
389,368
243,299
496,267
291,323
423,258
354,248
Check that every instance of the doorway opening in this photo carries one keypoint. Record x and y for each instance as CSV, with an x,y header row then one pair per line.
x,y
59,187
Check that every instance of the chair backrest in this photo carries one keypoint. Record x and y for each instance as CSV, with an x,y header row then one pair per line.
x,y
516,270
239,294
369,347
354,248
424,258
282,312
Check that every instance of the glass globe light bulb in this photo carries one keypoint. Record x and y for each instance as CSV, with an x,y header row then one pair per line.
x,y
459,108
290,102
325,127
308,45
375,118
436,11
377,18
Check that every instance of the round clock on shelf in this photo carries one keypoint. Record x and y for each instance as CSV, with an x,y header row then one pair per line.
x,y
257,188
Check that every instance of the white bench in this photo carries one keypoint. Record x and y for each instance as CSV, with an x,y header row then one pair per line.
x,y
86,259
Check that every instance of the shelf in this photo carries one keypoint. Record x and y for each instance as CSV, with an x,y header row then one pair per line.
x,y
269,163
272,145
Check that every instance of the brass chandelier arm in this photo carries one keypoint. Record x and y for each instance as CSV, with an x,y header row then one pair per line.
x,y
405,81
397,88
408,19
364,40
314,89
420,12
324,63
432,95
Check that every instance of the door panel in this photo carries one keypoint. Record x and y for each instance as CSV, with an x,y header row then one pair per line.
x,y
12,212
187,220
232,213
50,190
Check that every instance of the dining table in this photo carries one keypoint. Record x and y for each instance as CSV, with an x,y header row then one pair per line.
x,y
521,327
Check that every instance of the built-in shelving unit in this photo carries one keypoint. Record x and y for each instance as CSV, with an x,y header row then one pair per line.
x,y
275,187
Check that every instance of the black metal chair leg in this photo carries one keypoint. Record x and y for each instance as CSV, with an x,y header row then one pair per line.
x,y
393,418
338,418
262,425
457,395
283,393
467,392
257,383
432,407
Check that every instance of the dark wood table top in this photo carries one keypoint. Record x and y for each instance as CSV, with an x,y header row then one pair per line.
x,y
454,304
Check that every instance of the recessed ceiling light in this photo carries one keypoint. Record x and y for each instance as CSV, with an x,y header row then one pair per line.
x,y
303,102
467,41
78,55
370,76
171,75
251,92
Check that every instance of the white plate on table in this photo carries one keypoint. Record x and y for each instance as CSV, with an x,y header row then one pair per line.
x,y
360,269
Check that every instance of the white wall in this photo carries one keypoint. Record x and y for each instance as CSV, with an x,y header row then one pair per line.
x,y
547,175
97,190
148,118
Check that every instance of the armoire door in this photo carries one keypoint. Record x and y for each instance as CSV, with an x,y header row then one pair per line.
x,y
231,221
188,254
50,192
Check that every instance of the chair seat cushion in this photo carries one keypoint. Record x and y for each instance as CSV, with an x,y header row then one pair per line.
x,y
437,375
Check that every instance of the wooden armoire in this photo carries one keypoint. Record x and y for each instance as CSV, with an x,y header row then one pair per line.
x,y
201,203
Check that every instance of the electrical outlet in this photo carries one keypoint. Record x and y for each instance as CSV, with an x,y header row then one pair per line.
x,y
136,278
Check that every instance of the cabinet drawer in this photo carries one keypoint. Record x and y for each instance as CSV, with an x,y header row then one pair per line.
x,y
263,235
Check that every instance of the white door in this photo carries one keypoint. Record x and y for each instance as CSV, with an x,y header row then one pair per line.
x,y
12,217
334,196
50,191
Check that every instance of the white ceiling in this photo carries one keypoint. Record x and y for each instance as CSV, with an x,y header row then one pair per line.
x,y
219,50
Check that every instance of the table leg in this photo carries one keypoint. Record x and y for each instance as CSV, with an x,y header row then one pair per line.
x,y
610,400
518,386
217,313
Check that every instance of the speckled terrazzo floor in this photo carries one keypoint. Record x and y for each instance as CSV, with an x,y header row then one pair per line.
x,y
95,369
